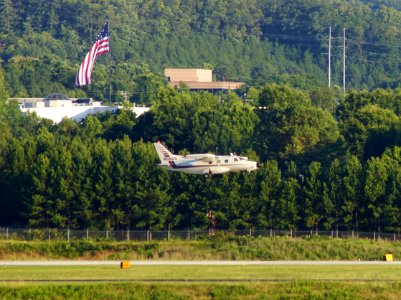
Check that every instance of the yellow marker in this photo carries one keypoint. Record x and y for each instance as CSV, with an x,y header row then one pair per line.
x,y
124,265
388,257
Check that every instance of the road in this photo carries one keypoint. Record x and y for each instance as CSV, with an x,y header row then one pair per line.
x,y
193,263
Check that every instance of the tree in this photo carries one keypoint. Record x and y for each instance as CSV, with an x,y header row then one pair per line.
x,y
81,208
102,184
151,199
3,92
391,208
333,210
270,186
8,16
314,194
375,188
352,192
290,125
123,171
288,206
15,162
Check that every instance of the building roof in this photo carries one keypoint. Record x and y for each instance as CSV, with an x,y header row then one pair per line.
x,y
57,96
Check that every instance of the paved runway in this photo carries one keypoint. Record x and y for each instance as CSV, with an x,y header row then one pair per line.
x,y
194,263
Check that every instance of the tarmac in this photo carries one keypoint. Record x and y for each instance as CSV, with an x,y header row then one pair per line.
x,y
195,263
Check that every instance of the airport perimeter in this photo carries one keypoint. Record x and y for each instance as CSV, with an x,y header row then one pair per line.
x,y
29,234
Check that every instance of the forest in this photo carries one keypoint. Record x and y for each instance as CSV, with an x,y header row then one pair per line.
x,y
42,43
328,160
319,170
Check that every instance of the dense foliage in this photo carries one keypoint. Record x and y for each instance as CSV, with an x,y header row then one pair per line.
x,y
42,42
317,170
326,161
217,247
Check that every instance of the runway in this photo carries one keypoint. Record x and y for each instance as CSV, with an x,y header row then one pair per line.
x,y
195,263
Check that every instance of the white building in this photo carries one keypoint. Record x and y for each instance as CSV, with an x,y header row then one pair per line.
x,y
57,106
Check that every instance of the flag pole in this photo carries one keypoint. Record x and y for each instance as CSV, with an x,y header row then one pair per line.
x,y
108,21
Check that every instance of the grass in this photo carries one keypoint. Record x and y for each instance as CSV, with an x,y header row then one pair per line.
x,y
304,282
213,248
205,272
293,290
258,282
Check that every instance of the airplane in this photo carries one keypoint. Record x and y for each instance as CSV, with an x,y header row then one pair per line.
x,y
203,164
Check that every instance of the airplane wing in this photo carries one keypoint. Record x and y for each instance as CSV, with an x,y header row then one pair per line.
x,y
206,157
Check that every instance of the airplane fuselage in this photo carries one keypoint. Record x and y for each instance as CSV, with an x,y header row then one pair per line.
x,y
220,165
203,164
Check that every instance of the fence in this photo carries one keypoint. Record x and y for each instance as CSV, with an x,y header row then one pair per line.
x,y
28,234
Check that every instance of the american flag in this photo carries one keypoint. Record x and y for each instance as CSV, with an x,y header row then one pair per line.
x,y
100,47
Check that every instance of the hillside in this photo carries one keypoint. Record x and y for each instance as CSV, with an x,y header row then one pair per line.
x,y
327,160
254,41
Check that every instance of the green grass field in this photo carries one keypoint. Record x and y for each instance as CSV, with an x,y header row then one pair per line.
x,y
201,282
288,290
204,272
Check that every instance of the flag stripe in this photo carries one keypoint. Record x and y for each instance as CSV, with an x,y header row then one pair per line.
x,y
100,47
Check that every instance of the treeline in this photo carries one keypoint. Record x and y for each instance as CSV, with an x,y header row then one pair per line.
x,y
42,43
318,170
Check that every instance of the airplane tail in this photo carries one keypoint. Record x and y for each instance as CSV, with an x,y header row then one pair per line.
x,y
164,155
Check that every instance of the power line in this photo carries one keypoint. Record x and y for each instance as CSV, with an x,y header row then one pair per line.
x,y
373,44
295,37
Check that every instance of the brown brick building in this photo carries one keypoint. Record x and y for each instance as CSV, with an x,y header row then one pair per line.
x,y
198,79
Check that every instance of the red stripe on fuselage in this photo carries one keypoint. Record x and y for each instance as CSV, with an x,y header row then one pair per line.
x,y
175,166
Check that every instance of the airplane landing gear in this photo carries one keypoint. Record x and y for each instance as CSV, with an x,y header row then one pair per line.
x,y
208,174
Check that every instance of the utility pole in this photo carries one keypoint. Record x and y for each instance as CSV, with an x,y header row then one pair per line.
x,y
330,57
344,63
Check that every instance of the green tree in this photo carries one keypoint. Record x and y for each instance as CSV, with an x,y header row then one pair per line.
x,y
375,188
352,192
8,16
3,92
102,184
287,213
335,186
269,195
314,194
82,199
391,209
290,125
151,197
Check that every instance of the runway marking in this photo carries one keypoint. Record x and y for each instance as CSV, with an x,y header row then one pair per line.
x,y
196,263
